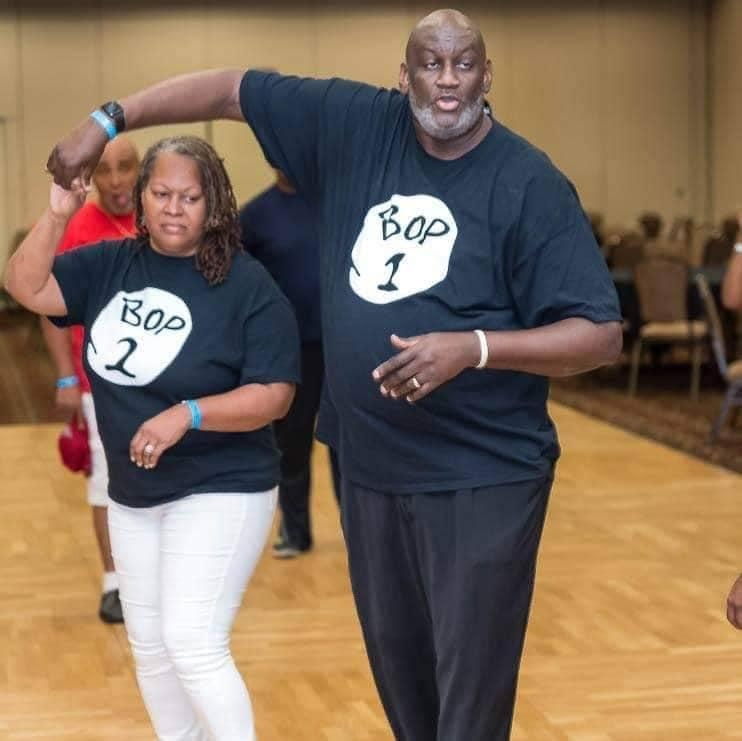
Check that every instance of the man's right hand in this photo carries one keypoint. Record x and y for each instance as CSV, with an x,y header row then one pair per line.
x,y
77,154
69,400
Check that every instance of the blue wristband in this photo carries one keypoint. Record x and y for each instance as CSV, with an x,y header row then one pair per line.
x,y
195,411
67,381
104,122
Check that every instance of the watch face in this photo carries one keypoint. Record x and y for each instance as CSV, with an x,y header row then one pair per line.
x,y
116,112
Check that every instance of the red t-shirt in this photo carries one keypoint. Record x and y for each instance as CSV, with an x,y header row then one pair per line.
x,y
89,225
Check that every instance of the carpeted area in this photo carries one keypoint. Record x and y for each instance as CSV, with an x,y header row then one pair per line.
x,y
662,409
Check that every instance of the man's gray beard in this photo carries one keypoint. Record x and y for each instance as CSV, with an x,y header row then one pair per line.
x,y
468,118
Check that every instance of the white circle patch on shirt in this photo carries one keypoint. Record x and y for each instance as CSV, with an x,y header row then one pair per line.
x,y
137,336
404,248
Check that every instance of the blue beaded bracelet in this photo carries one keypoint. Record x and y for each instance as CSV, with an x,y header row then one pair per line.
x,y
104,122
195,411
66,381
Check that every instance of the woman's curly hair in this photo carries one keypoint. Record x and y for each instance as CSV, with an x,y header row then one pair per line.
x,y
221,237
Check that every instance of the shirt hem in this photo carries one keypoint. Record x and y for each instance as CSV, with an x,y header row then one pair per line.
x,y
241,488
446,486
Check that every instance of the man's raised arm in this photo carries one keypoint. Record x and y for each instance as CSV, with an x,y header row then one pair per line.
x,y
201,96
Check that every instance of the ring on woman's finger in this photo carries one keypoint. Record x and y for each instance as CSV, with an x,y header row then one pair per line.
x,y
415,383
149,449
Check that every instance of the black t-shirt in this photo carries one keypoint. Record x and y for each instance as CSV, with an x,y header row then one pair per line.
x,y
156,333
280,230
409,244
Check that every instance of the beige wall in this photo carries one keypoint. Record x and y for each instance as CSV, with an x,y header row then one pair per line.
x,y
726,106
613,90
608,90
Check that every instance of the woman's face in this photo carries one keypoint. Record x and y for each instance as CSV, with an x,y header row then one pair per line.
x,y
174,206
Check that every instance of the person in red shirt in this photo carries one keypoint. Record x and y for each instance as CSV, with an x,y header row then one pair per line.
x,y
111,217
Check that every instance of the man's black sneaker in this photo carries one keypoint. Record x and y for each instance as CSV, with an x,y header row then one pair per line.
x,y
110,607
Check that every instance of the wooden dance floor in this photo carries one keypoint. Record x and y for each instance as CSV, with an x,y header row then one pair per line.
x,y
628,639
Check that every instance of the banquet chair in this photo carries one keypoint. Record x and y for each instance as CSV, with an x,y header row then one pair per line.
x,y
662,289
627,252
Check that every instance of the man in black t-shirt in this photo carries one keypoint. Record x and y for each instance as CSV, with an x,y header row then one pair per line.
x,y
458,272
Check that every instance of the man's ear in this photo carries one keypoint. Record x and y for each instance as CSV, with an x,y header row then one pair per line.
x,y
404,78
487,77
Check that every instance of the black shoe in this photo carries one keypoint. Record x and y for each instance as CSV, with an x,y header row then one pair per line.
x,y
284,548
110,607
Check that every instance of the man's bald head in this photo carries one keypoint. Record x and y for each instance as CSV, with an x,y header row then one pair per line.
x,y
119,148
445,21
116,175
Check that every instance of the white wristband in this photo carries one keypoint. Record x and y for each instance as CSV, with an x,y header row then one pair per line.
x,y
484,351
738,248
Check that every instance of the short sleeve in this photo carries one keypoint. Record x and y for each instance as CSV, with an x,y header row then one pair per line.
x,y
75,272
271,335
558,270
284,114
305,126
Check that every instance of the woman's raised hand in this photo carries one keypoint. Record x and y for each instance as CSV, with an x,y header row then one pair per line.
x,y
65,203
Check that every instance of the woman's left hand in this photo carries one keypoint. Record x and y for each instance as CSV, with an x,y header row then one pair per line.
x,y
158,434
64,204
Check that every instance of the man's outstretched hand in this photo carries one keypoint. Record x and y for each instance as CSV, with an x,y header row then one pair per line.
x,y
74,158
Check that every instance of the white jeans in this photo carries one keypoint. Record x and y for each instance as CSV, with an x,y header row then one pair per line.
x,y
98,479
182,569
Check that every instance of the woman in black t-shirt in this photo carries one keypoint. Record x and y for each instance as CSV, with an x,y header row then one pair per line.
x,y
192,352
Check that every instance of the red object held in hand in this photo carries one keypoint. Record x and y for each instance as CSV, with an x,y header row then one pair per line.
x,y
74,447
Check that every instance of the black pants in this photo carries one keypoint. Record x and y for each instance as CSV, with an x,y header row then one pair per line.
x,y
443,585
295,437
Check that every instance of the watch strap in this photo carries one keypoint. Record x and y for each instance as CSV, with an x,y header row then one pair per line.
x,y
104,122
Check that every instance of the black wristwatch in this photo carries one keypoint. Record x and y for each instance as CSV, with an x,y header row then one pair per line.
x,y
116,113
